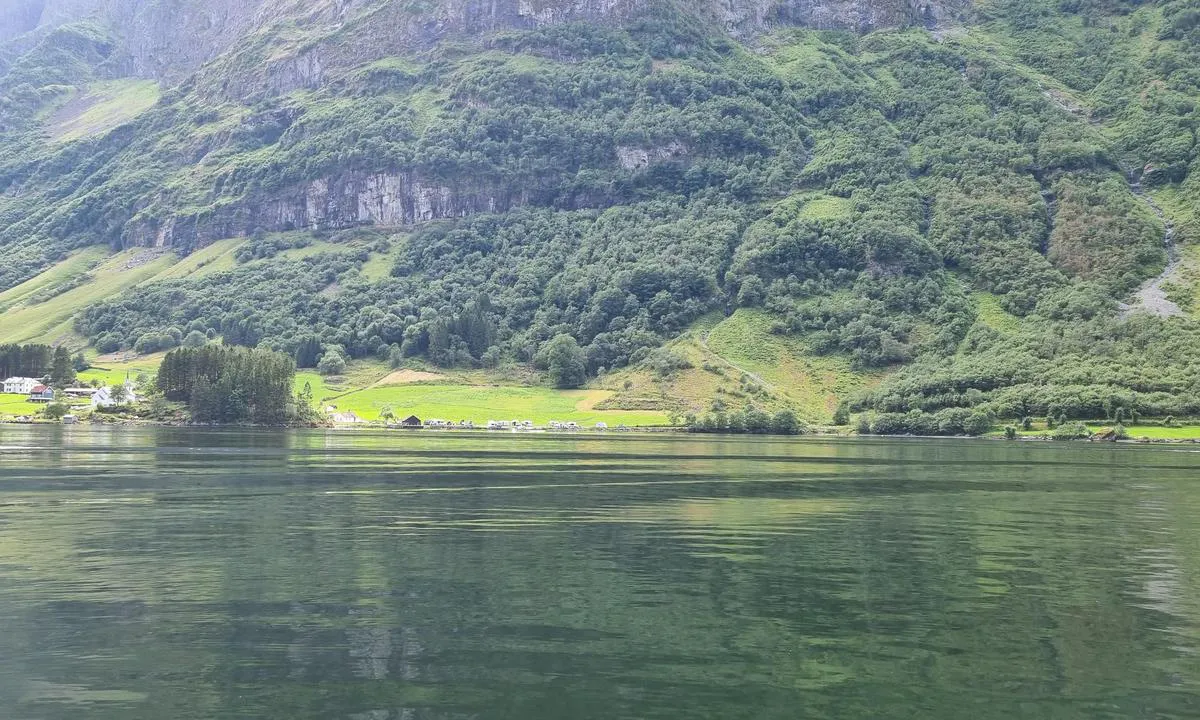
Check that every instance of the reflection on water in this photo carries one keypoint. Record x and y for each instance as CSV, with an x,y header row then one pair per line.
x,y
168,573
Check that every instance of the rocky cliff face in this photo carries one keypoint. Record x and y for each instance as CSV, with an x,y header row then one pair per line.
x,y
164,40
342,201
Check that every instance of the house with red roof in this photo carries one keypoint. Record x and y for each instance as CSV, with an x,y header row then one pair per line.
x,y
41,394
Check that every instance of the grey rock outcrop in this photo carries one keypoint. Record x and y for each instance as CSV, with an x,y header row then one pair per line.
x,y
344,201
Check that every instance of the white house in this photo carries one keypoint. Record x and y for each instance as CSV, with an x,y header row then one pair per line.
x,y
103,398
20,385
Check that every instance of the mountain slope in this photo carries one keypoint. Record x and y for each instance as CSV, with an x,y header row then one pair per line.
x,y
861,171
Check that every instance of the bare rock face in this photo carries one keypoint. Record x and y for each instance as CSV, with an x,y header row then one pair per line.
x,y
164,40
636,158
343,201
866,15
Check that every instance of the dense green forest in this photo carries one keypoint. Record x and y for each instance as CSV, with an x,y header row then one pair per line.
x,y
230,384
613,182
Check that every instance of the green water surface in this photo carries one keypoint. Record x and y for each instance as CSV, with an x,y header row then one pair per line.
x,y
181,574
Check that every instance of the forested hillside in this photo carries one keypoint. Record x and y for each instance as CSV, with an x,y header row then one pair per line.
x,y
992,206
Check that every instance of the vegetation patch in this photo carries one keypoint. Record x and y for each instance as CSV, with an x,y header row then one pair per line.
x,y
101,107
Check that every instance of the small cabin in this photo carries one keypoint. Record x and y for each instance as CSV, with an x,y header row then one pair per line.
x,y
41,394
412,421
70,419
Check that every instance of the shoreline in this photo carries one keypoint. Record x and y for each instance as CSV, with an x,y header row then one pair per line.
x,y
610,432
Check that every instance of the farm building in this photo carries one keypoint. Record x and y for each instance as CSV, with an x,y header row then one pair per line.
x,y
20,385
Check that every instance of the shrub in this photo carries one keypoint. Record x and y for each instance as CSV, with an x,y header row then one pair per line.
x,y
1072,431
195,339
978,423
332,363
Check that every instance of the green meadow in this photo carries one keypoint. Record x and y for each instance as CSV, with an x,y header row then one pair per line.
x,y
12,405
482,403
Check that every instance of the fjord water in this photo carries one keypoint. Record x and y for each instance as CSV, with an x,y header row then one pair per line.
x,y
170,573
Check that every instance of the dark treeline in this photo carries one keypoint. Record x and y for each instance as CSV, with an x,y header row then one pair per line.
x,y
53,364
25,360
229,384
750,421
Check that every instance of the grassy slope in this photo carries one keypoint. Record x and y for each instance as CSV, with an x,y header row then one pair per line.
x,y
102,107
739,360
78,264
214,258
993,315
109,371
36,311
51,321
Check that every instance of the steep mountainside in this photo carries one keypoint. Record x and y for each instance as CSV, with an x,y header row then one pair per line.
x,y
962,193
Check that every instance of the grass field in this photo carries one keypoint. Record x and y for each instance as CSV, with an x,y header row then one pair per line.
x,y
1135,432
482,403
993,315
1158,432
13,405
114,372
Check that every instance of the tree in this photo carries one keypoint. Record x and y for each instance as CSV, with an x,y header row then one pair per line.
x,y
120,394
785,423
62,369
195,339
332,363
864,425
564,361
56,411
841,416
978,423
308,352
